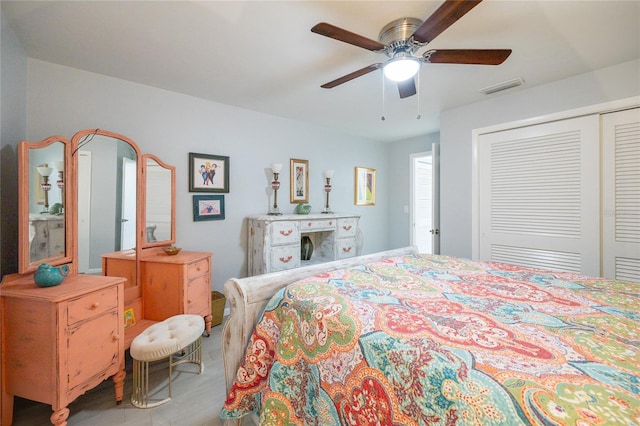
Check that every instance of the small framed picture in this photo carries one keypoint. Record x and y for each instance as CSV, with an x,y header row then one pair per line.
x,y
365,188
208,207
299,179
129,318
208,173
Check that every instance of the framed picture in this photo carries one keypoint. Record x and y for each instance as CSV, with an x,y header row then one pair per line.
x,y
208,173
299,179
208,207
129,318
365,189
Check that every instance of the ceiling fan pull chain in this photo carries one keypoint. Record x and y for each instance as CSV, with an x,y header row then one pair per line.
x,y
418,91
382,117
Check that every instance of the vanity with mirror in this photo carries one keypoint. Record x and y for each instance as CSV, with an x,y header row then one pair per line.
x,y
95,205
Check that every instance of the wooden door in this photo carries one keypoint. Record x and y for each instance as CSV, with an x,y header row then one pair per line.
x,y
539,195
621,195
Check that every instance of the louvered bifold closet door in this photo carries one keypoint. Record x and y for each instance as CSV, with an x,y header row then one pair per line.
x,y
539,196
621,195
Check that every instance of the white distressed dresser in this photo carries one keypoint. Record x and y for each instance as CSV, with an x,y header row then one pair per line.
x,y
274,241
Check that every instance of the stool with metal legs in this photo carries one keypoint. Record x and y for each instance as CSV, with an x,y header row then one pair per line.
x,y
179,334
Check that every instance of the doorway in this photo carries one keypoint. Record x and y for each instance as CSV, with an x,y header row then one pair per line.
x,y
425,206
128,216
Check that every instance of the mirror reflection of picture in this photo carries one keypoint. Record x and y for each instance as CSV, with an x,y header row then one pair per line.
x,y
39,192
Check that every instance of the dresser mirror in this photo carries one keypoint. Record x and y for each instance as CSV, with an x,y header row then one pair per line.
x,y
106,188
159,189
43,227
93,197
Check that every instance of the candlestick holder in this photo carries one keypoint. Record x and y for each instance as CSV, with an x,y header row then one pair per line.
x,y
275,185
60,183
45,172
327,190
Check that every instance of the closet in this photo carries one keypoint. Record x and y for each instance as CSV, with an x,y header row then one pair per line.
x,y
562,194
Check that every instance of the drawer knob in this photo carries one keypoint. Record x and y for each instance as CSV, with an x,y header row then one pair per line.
x,y
346,227
285,259
115,338
95,305
346,249
286,233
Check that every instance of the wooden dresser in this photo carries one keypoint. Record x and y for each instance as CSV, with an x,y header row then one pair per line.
x,y
274,241
179,284
59,342
169,285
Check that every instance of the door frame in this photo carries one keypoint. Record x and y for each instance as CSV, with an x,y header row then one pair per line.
x,y
435,192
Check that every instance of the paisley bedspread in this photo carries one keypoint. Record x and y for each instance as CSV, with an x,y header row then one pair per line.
x,y
435,340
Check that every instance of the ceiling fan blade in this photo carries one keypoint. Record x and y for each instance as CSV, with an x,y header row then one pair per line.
x,y
467,56
336,33
351,76
448,13
407,88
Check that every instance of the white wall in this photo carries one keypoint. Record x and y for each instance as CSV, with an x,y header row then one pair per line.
x,y
63,100
13,126
456,126
399,184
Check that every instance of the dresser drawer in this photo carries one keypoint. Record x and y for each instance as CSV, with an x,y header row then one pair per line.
x,y
198,296
55,224
317,224
286,257
92,304
285,232
346,248
347,227
198,268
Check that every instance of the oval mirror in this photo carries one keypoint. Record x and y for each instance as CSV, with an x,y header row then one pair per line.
x,y
159,193
43,226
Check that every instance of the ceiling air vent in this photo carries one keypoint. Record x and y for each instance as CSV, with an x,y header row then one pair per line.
x,y
502,86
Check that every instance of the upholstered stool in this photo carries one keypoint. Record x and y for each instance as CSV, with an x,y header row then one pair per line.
x,y
180,333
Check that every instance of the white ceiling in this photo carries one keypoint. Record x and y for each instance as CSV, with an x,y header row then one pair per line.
x,y
262,56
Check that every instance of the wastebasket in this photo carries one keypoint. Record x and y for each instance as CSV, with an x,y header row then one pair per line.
x,y
218,302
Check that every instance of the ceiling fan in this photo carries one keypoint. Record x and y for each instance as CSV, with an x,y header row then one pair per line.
x,y
402,38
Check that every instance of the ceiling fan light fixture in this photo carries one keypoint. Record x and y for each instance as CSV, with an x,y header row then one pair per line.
x,y
401,68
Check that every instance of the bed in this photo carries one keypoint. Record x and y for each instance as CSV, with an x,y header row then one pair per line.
x,y
398,338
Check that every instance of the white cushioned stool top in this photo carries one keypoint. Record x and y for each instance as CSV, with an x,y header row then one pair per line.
x,y
165,338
